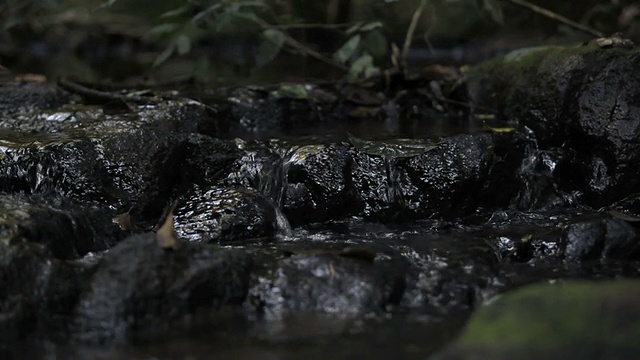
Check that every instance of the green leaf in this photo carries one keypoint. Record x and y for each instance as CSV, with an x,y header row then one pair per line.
x,y
162,29
355,27
348,50
375,43
183,43
221,21
270,47
290,91
13,21
105,4
370,26
176,12
201,66
495,9
371,71
360,65
251,3
205,12
164,55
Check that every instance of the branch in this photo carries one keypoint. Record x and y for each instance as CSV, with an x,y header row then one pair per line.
x,y
550,14
412,29
298,46
311,26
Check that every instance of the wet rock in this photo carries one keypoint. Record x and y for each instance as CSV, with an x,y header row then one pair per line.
x,y
144,159
551,179
264,112
449,273
126,159
63,167
39,286
627,209
605,238
569,237
138,286
38,292
319,186
581,98
449,179
207,161
22,98
24,270
225,214
460,174
260,167
68,230
545,321
329,284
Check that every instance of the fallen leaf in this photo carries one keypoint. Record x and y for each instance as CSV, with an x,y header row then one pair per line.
x,y
364,112
166,235
622,216
486,127
124,220
332,270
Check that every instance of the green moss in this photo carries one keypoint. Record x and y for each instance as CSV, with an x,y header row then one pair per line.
x,y
551,318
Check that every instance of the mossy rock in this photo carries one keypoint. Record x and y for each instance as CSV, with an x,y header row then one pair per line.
x,y
572,320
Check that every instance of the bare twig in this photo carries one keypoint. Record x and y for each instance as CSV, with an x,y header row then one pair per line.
x,y
550,14
412,28
295,44
87,92
311,26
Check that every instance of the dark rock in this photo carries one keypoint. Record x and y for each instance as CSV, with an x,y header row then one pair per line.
x,y
37,292
22,98
460,174
261,167
67,229
126,159
319,185
551,179
448,274
64,167
24,270
330,284
605,238
207,161
569,237
582,98
271,112
138,286
225,214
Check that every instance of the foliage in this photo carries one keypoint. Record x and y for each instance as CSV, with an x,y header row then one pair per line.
x,y
360,46
182,27
15,12
364,46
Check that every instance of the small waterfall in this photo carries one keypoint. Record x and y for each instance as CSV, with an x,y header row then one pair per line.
x,y
282,223
539,190
394,193
272,183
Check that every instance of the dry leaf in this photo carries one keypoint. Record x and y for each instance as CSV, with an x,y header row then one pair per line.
x,y
622,216
332,270
365,97
166,235
364,112
124,220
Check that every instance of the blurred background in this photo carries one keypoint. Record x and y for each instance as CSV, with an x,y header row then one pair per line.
x,y
262,41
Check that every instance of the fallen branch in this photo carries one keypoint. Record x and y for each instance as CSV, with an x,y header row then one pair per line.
x,y
78,89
